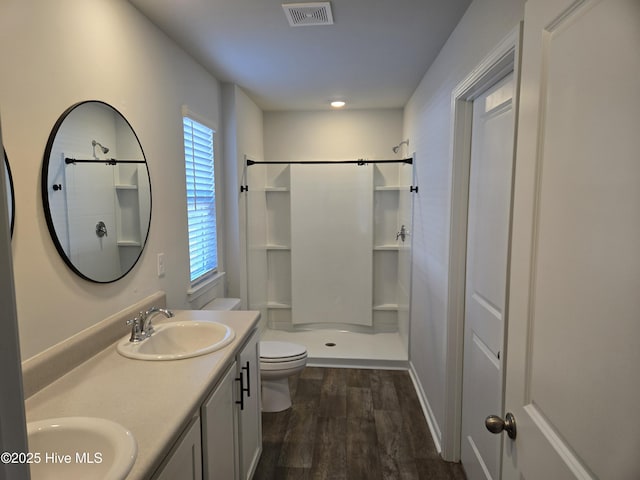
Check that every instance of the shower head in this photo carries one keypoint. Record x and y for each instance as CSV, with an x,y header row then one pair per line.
x,y
103,148
396,149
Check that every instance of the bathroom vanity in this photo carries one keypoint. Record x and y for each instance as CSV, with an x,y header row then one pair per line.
x,y
197,416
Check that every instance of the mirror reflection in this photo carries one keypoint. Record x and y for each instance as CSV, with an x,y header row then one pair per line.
x,y
10,193
96,191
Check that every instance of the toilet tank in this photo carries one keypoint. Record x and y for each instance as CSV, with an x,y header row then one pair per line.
x,y
223,304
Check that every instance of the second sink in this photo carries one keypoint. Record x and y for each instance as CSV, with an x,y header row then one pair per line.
x,y
177,340
80,447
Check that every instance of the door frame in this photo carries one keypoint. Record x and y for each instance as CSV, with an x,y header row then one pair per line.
x,y
503,59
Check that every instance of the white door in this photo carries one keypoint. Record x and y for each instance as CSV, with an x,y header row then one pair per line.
x,y
572,378
490,183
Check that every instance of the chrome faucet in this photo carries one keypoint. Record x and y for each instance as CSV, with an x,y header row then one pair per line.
x,y
147,328
141,327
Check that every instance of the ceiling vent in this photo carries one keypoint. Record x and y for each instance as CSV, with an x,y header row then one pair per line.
x,y
307,14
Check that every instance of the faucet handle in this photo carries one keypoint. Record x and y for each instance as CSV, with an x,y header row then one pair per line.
x,y
135,322
136,329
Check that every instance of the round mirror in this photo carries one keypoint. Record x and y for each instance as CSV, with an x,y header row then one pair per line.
x,y
10,195
96,191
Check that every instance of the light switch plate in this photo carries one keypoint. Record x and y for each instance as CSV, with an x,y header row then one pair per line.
x,y
161,265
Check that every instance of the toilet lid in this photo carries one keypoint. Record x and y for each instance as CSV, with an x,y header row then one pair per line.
x,y
281,350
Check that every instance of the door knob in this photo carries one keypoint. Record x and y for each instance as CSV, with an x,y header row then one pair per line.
x,y
496,425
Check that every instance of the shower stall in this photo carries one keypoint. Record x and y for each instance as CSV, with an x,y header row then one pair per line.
x,y
329,256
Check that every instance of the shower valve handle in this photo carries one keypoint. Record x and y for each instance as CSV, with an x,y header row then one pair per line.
x,y
402,233
101,229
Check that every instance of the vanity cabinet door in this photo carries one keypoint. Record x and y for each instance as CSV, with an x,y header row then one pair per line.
x,y
185,461
249,407
219,438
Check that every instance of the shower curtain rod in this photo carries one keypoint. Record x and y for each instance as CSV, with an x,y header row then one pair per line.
x,y
107,161
360,161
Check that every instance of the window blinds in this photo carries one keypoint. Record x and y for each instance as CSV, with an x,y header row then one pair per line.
x,y
201,199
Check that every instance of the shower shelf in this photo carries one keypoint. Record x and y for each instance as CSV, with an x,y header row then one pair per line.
x,y
393,188
128,243
390,247
276,189
386,307
278,306
277,247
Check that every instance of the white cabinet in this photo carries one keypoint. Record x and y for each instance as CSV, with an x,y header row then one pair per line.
x,y
231,419
219,426
185,460
249,407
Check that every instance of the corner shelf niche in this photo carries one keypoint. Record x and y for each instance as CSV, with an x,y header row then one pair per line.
x,y
390,185
127,209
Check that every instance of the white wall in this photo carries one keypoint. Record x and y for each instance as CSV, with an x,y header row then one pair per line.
x,y
55,54
427,123
332,135
243,134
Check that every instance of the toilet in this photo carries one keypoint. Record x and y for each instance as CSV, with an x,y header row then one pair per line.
x,y
278,361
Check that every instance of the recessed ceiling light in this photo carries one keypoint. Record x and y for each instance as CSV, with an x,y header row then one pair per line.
x,y
338,104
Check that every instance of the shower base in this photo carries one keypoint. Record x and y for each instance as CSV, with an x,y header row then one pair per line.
x,y
338,348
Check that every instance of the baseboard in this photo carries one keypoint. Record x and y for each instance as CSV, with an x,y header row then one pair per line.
x,y
357,363
255,462
426,409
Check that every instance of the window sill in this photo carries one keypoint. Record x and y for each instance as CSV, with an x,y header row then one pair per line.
x,y
205,286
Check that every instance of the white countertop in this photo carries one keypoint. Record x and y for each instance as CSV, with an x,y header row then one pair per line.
x,y
155,400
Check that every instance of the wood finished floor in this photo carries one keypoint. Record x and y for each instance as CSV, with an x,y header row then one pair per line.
x,y
351,424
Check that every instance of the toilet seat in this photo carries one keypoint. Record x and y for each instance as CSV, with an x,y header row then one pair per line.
x,y
282,356
283,359
282,366
271,352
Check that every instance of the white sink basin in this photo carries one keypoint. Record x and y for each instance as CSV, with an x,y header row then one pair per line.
x,y
176,340
80,447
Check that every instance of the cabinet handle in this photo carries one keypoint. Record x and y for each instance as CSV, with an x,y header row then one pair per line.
x,y
241,401
248,389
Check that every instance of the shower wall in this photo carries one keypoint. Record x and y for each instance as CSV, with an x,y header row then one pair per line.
x,y
327,135
331,255
324,248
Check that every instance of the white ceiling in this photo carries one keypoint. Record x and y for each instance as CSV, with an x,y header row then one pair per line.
x,y
373,56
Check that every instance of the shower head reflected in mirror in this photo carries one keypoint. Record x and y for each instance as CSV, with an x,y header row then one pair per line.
x,y
104,149
396,149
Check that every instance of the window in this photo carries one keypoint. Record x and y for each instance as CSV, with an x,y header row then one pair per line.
x,y
201,199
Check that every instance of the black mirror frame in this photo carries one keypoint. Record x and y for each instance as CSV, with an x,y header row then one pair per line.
x,y
45,192
11,190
